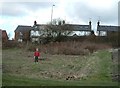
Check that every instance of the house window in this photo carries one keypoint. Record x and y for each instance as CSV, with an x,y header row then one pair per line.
x,y
81,27
86,27
20,40
34,33
103,33
36,27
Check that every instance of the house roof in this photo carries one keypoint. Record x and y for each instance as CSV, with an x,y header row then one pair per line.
x,y
108,28
23,28
72,27
76,27
38,26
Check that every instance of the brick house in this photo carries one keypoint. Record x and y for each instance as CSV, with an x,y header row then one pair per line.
x,y
105,30
111,33
84,30
4,36
22,33
39,31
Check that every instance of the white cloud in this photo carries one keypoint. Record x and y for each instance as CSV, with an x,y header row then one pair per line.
x,y
73,11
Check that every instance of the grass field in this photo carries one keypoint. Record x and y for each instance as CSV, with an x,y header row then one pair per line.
x,y
61,70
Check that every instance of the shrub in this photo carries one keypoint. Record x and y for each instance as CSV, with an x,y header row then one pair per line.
x,y
71,48
66,48
9,44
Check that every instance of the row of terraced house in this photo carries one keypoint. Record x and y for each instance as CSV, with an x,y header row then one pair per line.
x,y
37,31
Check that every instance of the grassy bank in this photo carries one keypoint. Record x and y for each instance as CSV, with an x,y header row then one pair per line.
x,y
65,70
24,81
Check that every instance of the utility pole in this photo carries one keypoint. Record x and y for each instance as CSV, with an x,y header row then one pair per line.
x,y
52,13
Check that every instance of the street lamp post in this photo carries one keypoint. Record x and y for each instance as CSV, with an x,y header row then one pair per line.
x,y
52,13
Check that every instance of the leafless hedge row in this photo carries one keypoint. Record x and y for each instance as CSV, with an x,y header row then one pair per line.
x,y
68,48
74,46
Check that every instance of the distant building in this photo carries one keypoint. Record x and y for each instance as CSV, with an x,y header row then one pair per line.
x,y
3,36
22,33
104,30
39,31
84,30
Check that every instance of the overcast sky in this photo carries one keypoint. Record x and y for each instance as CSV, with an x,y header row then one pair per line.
x,y
20,12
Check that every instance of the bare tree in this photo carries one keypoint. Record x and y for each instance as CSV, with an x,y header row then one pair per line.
x,y
58,30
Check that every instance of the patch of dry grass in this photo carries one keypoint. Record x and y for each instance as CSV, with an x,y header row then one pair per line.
x,y
61,67
69,48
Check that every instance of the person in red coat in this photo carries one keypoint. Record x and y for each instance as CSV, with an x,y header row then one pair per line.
x,y
36,55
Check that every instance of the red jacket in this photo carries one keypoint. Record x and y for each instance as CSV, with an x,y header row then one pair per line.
x,y
36,53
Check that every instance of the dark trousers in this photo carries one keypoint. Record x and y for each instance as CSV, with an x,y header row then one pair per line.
x,y
36,58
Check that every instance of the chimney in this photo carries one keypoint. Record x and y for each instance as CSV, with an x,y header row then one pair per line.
x,y
35,23
59,23
90,24
98,23
63,21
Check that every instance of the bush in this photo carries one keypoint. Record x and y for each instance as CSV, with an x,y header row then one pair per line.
x,y
9,44
68,48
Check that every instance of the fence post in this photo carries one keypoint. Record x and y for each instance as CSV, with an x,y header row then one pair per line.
x,y
115,65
